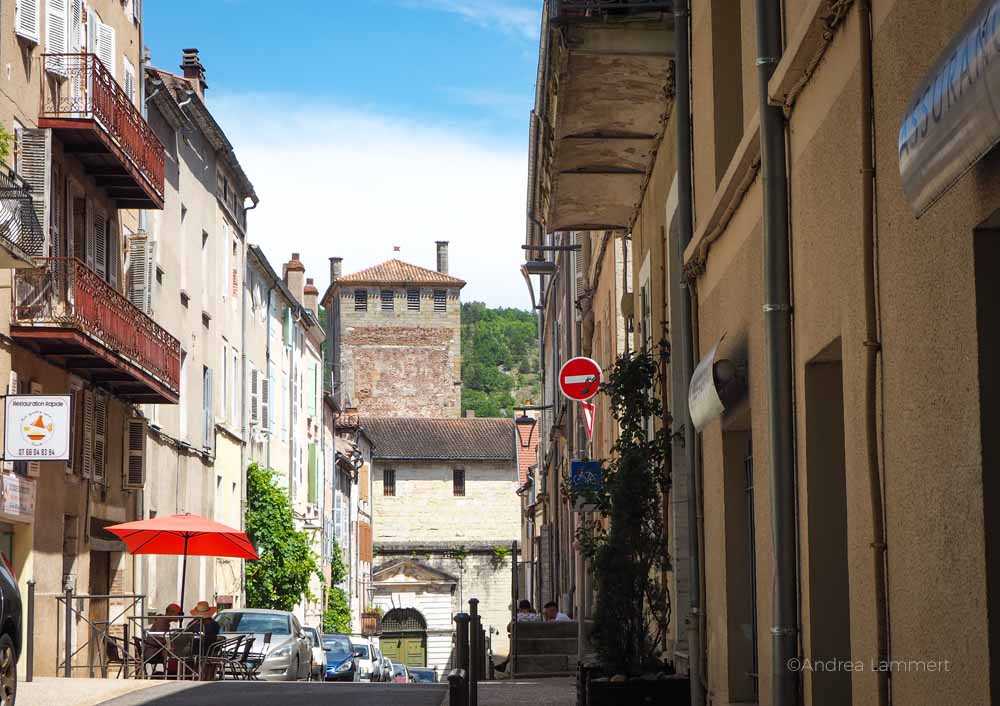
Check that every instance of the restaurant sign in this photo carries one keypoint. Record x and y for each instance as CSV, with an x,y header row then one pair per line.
x,y
37,427
17,497
952,119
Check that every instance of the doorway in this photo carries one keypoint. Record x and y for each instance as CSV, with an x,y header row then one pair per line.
x,y
404,637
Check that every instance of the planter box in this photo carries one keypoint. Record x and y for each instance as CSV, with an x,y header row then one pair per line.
x,y
674,690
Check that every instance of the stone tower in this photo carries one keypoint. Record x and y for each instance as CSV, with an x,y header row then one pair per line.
x,y
397,349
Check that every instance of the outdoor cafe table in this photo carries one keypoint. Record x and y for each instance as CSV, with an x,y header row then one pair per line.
x,y
158,647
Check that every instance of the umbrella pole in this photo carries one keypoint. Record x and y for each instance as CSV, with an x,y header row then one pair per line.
x,y
184,571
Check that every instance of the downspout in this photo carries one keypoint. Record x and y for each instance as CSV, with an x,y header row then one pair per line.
x,y
680,291
778,360
873,347
244,430
270,392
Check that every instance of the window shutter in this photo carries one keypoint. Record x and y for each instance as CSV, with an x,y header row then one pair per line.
x,y
313,476
75,38
128,78
11,390
100,437
105,48
35,167
225,259
26,19
35,467
100,241
265,404
56,34
254,396
288,330
114,253
207,409
135,278
87,448
134,453
578,263
137,10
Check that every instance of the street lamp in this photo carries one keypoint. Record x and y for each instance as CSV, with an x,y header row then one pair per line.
x,y
370,590
525,424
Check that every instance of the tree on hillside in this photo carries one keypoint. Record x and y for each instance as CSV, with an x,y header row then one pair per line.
x,y
280,578
499,358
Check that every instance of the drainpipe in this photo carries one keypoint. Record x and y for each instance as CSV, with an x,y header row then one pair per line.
x,y
873,347
778,359
244,428
680,291
270,392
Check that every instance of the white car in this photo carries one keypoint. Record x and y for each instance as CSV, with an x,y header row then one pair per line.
x,y
369,666
315,636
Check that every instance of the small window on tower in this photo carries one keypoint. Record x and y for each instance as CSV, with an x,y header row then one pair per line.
x,y
361,300
387,299
440,300
413,299
458,482
389,483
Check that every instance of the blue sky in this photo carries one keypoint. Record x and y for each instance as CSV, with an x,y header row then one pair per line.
x,y
405,120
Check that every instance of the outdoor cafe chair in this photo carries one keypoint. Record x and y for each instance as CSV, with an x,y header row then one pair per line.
x,y
180,648
115,653
240,662
220,654
255,659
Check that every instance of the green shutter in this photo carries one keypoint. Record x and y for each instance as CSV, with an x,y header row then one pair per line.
x,y
313,476
288,326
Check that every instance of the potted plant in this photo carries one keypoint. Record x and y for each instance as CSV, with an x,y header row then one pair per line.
x,y
627,543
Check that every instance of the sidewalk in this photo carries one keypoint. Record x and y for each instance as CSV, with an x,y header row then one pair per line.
x,y
560,691
49,691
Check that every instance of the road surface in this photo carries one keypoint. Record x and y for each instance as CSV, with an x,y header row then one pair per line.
x,y
256,693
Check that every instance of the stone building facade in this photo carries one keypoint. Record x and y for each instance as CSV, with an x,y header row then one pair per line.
x,y
396,348
446,517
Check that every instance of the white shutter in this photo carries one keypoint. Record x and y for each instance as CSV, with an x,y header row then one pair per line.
x,y
137,278
11,390
128,78
105,48
207,426
254,396
578,262
75,37
134,453
35,467
35,167
137,10
100,240
26,19
87,449
56,34
265,404
100,437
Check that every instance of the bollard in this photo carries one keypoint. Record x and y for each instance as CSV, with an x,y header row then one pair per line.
x,y
484,666
29,658
475,651
68,666
458,688
462,642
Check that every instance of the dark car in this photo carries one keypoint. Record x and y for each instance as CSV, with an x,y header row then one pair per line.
x,y
340,662
420,675
10,631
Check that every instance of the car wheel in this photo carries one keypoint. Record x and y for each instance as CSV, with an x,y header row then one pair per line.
x,y
295,670
8,672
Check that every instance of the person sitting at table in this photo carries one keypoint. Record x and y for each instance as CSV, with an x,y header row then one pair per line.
x,y
167,620
205,627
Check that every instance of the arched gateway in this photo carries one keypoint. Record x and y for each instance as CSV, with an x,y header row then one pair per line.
x,y
404,637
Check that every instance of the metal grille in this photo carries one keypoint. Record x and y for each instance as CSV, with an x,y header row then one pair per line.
x,y
403,620
387,299
389,483
458,482
440,300
19,226
413,299
360,300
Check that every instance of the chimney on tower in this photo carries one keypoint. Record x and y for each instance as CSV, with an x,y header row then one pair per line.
x,y
294,274
310,296
336,264
442,256
193,70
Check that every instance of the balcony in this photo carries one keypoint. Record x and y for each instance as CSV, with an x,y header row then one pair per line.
x,y
98,124
68,314
21,234
604,94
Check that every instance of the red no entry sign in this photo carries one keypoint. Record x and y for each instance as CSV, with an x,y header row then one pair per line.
x,y
579,378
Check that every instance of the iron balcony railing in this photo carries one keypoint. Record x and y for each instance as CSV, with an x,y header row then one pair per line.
x,y
561,9
64,293
19,226
88,91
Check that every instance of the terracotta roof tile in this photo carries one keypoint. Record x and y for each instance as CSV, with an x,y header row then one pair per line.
x,y
463,439
399,272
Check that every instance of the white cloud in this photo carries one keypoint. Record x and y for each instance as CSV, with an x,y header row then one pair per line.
x,y
334,181
508,16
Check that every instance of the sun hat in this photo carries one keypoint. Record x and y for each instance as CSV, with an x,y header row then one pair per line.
x,y
203,610
172,609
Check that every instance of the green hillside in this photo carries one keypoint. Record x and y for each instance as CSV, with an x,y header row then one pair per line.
x,y
499,359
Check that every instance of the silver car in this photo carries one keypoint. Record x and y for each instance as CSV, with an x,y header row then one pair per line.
x,y
287,657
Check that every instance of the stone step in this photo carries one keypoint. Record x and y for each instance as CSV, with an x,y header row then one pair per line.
x,y
543,664
546,645
532,630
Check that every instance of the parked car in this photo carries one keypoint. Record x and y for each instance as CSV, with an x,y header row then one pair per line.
x,y
400,674
10,631
317,667
341,664
388,669
288,655
422,675
369,665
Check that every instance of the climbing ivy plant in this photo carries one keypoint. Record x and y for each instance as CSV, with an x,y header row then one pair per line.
x,y
280,578
337,614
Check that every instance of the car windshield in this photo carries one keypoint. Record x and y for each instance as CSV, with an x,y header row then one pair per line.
x,y
240,622
399,670
337,646
313,636
362,649
422,675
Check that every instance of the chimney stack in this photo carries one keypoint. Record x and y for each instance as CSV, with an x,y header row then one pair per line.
x,y
194,71
470,414
335,268
442,256
294,274
310,296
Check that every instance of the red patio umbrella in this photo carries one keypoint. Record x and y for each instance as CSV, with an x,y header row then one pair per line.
x,y
184,535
